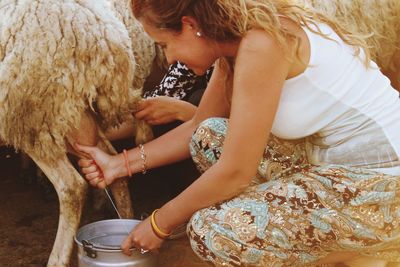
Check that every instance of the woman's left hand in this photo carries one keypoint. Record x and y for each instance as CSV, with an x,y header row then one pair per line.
x,y
143,238
164,109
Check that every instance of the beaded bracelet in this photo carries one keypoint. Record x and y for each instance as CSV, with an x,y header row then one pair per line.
x,y
155,228
127,163
144,159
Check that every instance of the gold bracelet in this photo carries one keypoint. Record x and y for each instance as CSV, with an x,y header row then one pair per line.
x,y
155,228
144,159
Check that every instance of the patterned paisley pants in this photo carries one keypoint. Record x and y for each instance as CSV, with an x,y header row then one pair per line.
x,y
294,213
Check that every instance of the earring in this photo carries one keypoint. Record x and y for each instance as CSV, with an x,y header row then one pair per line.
x,y
198,34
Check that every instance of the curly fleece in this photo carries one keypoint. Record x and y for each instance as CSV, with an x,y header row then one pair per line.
x,y
59,58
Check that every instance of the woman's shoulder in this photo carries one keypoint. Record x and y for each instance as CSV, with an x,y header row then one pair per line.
x,y
295,50
259,49
257,39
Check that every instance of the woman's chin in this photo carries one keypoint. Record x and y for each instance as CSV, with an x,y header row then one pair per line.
x,y
199,72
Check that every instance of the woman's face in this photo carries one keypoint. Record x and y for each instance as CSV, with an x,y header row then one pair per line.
x,y
187,47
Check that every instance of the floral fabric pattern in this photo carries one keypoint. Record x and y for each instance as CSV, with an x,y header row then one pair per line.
x,y
294,213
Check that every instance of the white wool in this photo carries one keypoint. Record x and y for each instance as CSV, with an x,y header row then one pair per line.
x,y
61,57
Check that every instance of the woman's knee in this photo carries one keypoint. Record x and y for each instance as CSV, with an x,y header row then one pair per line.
x,y
215,124
207,141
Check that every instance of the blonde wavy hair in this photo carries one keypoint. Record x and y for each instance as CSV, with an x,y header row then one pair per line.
x,y
228,20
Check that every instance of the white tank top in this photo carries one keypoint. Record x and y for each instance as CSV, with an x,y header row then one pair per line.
x,y
349,114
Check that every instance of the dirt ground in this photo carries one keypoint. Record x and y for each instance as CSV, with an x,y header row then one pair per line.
x,y
29,219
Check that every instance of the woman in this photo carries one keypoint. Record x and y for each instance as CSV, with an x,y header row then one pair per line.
x,y
324,188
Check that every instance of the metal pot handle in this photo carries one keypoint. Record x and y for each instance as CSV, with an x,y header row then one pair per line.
x,y
88,248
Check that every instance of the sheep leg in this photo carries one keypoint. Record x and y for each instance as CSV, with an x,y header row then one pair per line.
x,y
71,190
89,133
119,188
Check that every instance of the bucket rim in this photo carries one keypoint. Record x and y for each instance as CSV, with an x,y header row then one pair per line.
x,y
102,248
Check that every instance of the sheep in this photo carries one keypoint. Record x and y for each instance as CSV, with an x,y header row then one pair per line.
x,y
68,70
377,20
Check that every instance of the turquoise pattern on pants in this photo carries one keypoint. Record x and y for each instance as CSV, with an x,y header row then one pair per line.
x,y
294,213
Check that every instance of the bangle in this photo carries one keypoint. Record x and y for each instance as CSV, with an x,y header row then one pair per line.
x,y
155,228
143,157
127,163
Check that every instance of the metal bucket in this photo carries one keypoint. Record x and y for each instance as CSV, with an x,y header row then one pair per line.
x,y
99,245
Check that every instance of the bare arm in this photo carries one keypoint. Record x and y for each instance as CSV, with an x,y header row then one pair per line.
x,y
260,72
171,147
174,145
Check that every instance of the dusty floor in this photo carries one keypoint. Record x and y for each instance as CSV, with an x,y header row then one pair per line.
x,y
29,218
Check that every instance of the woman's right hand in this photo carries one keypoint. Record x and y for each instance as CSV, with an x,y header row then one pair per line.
x,y
99,168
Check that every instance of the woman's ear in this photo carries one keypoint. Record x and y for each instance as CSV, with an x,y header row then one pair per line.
x,y
189,23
